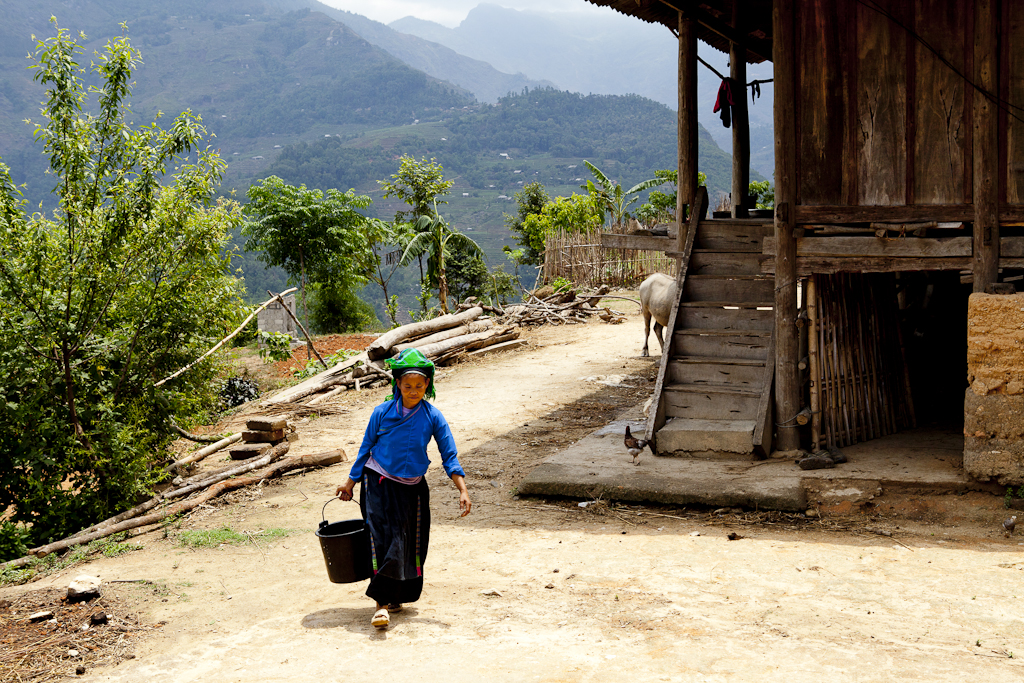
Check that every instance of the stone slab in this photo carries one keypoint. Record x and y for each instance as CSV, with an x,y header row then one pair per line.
x,y
916,461
683,435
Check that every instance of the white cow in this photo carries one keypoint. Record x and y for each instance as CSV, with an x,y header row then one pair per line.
x,y
657,293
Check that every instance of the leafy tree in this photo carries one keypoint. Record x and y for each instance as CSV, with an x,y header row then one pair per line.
x,y
529,201
611,196
122,284
420,184
765,193
315,237
385,263
574,214
661,206
438,241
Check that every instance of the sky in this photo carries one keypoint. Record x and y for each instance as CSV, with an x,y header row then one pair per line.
x,y
451,12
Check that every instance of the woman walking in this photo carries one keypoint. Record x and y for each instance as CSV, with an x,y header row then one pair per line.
x,y
395,499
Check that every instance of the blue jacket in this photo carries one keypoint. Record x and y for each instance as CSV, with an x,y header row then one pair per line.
x,y
400,446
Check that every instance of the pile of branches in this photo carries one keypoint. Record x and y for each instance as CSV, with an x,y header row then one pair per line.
x,y
442,340
563,308
185,494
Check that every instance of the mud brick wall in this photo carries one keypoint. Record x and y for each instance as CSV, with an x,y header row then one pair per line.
x,y
994,405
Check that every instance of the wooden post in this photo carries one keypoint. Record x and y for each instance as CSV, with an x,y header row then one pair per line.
x,y
787,340
812,356
687,126
986,145
740,118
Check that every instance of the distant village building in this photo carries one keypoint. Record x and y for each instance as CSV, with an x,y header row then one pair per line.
x,y
273,318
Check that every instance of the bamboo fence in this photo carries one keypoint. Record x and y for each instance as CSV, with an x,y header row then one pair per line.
x,y
861,387
580,258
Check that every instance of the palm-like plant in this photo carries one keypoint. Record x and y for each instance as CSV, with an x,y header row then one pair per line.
x,y
612,197
436,239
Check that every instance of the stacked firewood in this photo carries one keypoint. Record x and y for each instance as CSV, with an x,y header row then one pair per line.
x,y
443,340
564,308
260,435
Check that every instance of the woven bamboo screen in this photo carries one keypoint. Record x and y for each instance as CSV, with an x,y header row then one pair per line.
x,y
580,258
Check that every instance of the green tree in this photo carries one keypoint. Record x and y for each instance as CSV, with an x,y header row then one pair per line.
x,y
530,201
660,207
575,214
124,283
315,237
420,184
764,191
612,198
435,239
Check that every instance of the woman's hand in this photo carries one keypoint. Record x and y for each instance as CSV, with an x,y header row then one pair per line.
x,y
345,490
465,504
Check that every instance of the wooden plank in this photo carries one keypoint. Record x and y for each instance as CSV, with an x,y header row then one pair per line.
x,y
821,112
731,345
644,242
1013,44
725,263
732,237
726,319
747,377
787,342
815,365
708,405
261,436
939,106
881,108
730,289
806,265
986,145
656,416
831,215
765,415
909,247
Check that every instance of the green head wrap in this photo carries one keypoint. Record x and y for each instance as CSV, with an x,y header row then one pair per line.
x,y
407,360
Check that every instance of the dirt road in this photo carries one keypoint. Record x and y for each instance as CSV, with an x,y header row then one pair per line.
x,y
525,590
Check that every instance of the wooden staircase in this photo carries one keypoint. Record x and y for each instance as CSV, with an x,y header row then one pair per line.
x,y
713,397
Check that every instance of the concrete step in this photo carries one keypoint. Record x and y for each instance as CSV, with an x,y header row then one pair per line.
x,y
701,438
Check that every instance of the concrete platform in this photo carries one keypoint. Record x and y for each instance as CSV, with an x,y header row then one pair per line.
x,y
924,460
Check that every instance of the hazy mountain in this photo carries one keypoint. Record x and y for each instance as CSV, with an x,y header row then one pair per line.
x,y
607,53
476,76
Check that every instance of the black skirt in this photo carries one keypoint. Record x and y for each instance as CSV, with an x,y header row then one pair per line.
x,y
398,516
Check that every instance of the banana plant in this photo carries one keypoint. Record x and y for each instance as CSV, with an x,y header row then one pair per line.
x,y
437,240
612,197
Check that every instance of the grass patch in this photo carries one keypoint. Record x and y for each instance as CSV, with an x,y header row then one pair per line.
x,y
212,538
112,546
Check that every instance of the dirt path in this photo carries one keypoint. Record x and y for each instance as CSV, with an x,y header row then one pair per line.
x,y
582,594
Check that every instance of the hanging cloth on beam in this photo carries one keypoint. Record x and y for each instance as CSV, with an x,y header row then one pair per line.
x,y
724,102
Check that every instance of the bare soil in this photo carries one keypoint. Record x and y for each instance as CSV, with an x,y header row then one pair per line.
x,y
544,590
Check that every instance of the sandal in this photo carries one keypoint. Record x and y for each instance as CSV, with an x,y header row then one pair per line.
x,y
381,618
395,607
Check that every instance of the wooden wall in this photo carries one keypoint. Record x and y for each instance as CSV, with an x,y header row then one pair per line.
x,y
882,120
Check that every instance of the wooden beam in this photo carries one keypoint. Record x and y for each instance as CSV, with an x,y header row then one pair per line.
x,y
686,142
808,265
787,337
740,118
610,240
761,48
900,247
885,214
986,144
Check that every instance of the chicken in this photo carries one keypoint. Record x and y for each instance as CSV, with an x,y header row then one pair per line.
x,y
634,446
1009,524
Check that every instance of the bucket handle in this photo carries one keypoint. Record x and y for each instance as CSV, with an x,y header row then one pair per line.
x,y
323,511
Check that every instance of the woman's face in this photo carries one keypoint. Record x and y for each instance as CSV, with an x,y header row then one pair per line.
x,y
413,387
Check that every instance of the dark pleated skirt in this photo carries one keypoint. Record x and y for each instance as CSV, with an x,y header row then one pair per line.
x,y
398,516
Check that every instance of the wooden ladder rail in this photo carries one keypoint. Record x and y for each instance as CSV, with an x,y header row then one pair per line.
x,y
656,415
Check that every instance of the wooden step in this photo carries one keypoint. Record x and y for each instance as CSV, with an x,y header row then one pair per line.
x,y
684,437
713,373
753,362
710,402
698,317
721,343
745,237
740,288
716,262
727,304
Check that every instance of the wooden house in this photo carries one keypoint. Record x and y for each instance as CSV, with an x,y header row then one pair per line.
x,y
899,189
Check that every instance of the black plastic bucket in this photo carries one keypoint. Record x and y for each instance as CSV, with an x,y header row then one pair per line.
x,y
346,549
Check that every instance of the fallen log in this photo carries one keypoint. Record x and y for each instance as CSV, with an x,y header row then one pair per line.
x,y
296,462
382,346
203,452
433,350
471,328
317,383
269,457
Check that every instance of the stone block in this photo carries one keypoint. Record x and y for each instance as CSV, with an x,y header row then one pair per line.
x,y
84,587
995,344
994,437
